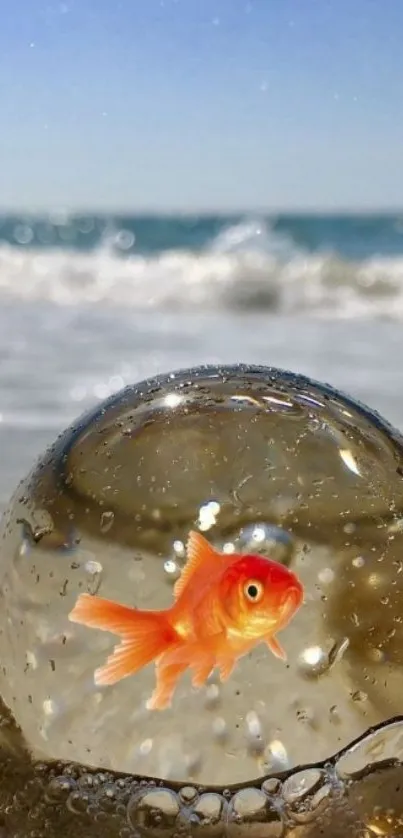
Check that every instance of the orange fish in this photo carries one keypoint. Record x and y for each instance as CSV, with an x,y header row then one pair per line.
x,y
225,604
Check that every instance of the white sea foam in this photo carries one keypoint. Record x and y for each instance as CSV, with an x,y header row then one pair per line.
x,y
247,267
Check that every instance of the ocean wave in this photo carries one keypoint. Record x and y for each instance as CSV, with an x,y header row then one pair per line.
x,y
246,267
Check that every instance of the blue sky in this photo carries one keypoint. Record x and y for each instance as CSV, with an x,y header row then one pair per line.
x,y
201,104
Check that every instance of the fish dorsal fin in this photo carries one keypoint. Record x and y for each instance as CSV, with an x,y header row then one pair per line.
x,y
199,554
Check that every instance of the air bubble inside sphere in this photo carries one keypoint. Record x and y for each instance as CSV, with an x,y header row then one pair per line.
x,y
260,462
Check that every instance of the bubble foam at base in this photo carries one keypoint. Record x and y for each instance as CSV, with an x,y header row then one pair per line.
x,y
355,792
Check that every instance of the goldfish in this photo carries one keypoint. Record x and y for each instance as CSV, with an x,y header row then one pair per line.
x,y
224,605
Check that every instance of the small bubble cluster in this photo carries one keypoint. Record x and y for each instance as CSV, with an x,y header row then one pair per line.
x,y
341,793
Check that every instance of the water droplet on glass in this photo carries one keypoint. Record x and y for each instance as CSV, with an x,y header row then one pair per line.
x,y
179,549
337,651
208,515
107,519
254,733
172,570
220,729
358,561
265,539
326,576
94,571
313,661
146,747
275,757
350,528
359,696
316,661
212,696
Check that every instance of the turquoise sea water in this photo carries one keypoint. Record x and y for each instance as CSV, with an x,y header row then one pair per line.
x,y
350,236
89,303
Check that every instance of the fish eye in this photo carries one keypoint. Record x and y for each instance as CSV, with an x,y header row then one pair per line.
x,y
253,590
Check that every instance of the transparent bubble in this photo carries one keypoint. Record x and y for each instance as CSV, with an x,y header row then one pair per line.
x,y
257,460
124,239
23,234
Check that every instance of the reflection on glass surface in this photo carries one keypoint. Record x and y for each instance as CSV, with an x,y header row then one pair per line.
x,y
259,461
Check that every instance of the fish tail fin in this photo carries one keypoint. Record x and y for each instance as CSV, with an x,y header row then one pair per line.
x,y
145,635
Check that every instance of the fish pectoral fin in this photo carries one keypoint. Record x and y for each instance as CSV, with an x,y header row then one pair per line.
x,y
225,666
168,675
276,648
201,671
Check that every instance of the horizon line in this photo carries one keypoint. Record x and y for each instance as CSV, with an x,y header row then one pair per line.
x,y
71,210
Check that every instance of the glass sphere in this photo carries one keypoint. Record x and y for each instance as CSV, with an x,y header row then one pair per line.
x,y
260,462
